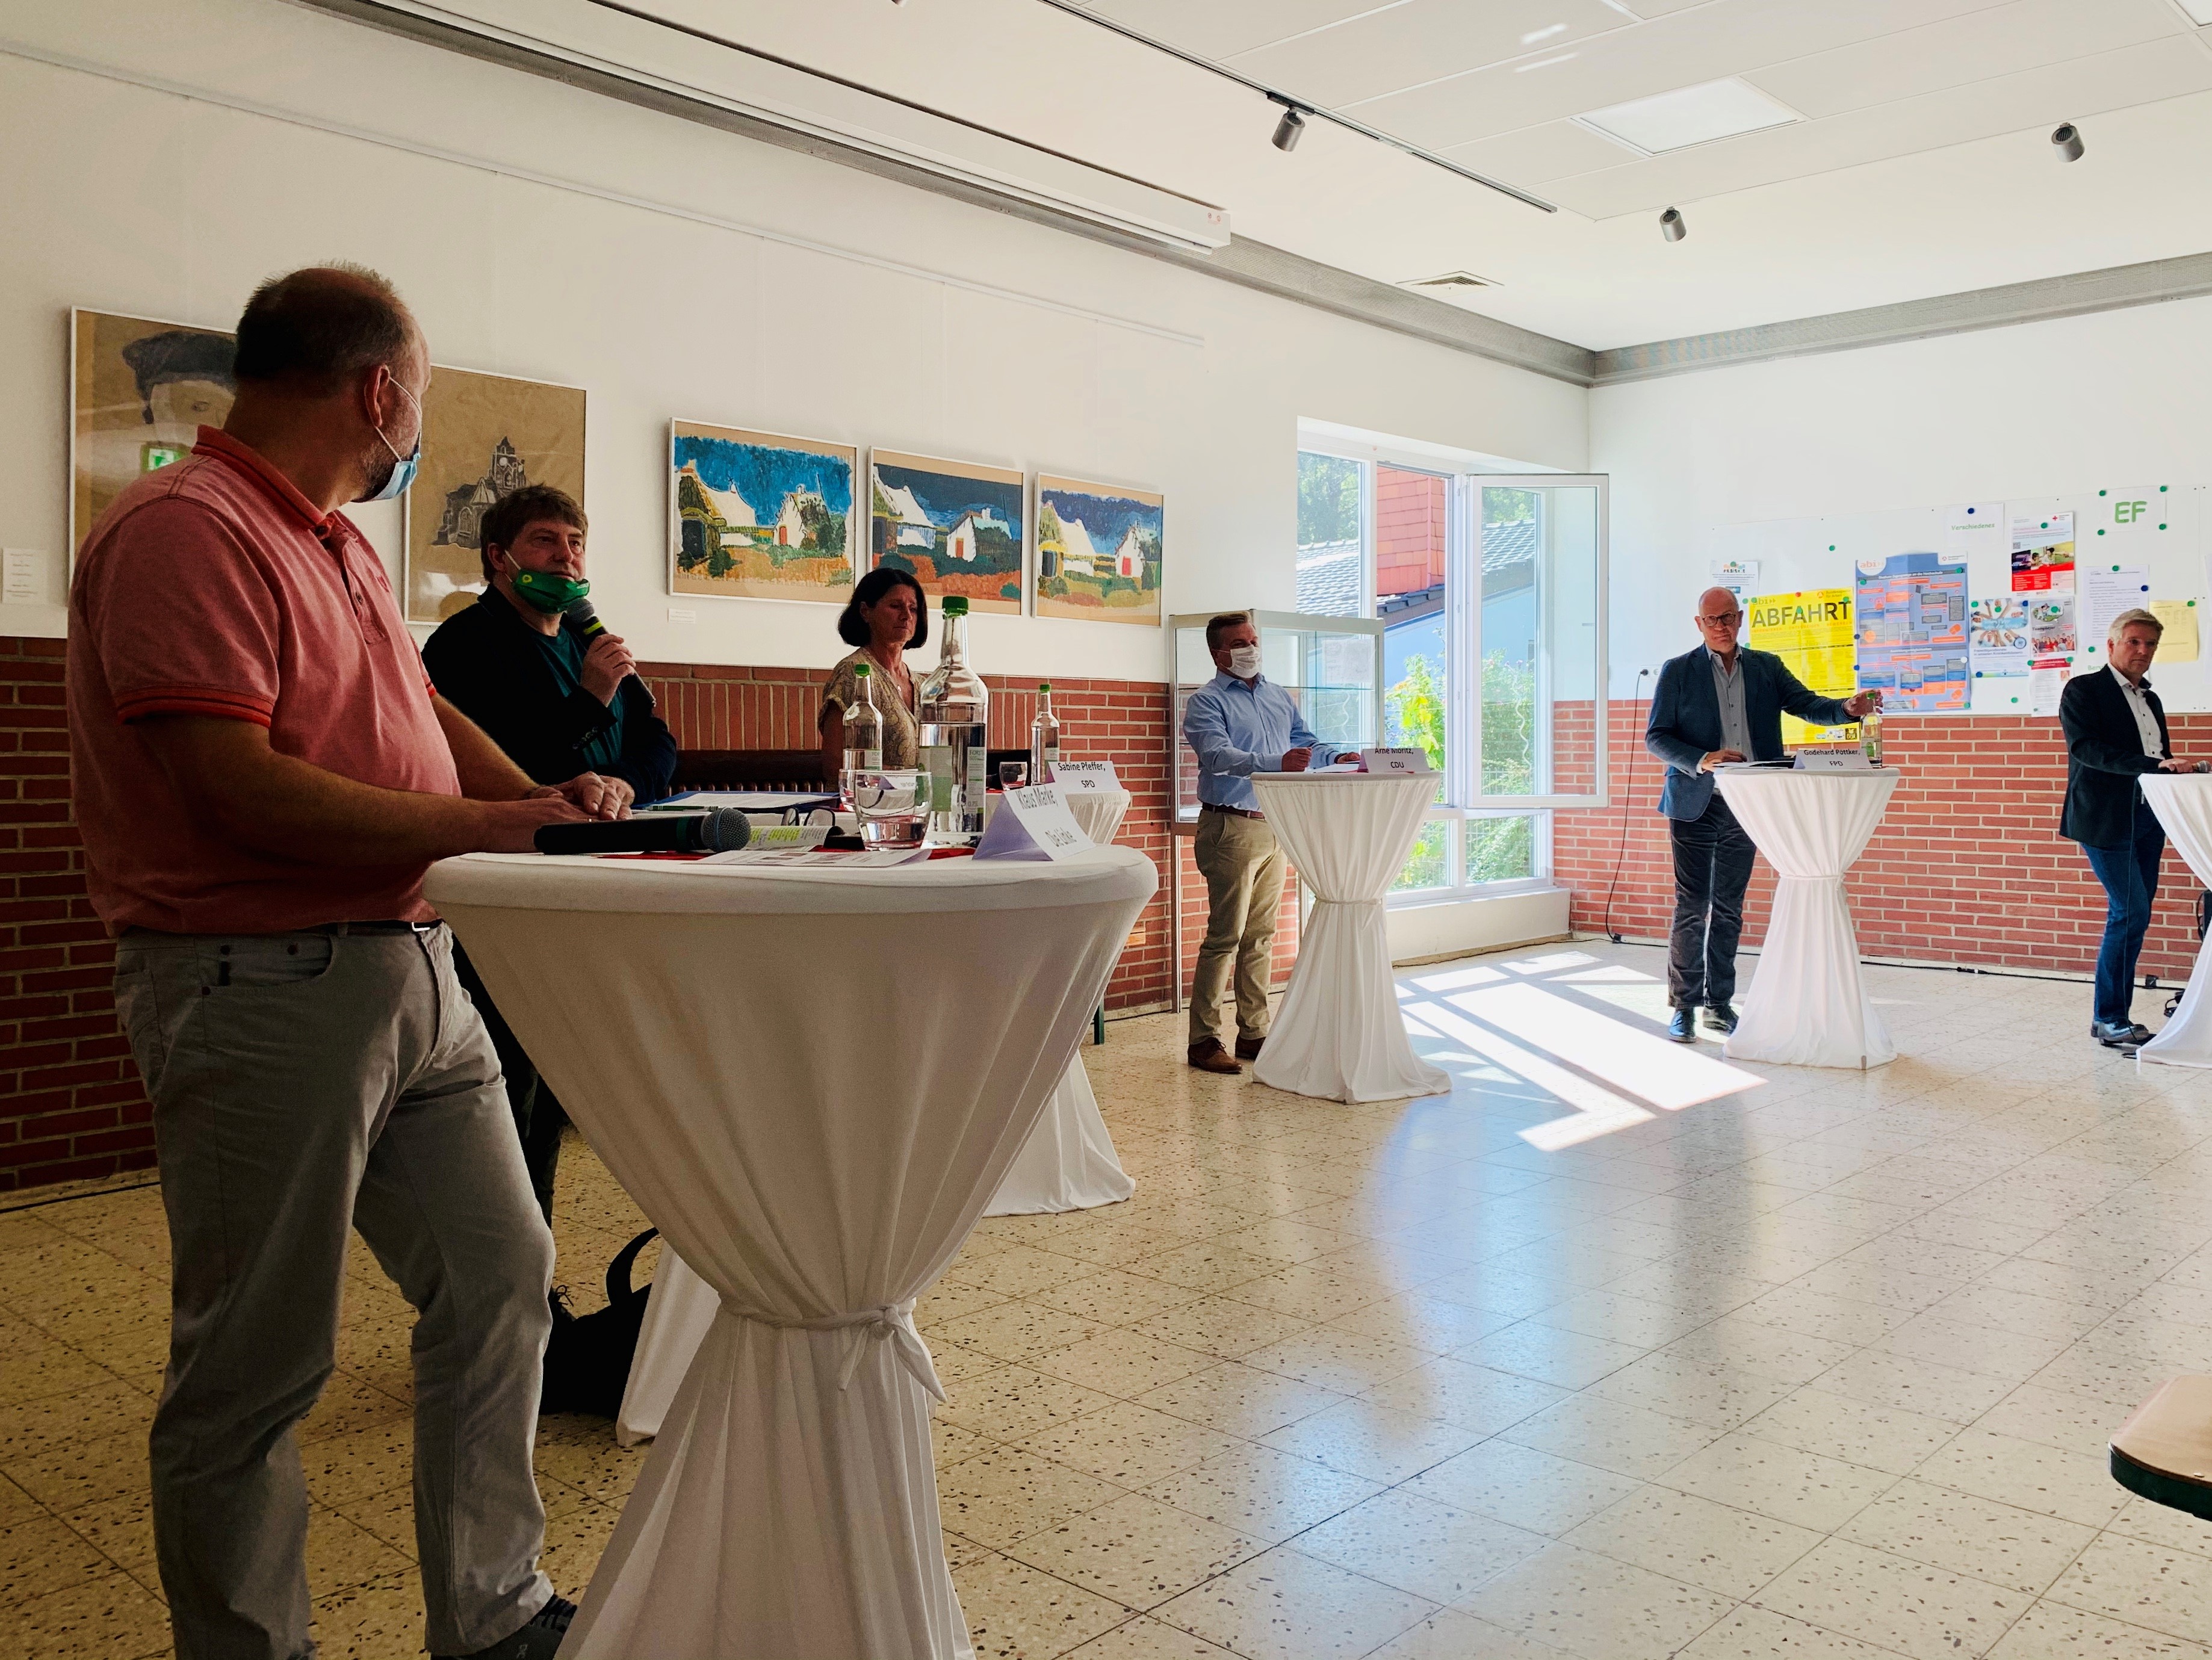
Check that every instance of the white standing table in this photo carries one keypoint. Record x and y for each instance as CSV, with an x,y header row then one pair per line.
x,y
1809,1004
2183,802
812,1081
1068,1163
1338,1034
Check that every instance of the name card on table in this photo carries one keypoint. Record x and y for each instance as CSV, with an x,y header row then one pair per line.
x,y
1033,823
1833,761
1084,777
1397,761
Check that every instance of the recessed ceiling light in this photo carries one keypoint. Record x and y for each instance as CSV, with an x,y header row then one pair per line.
x,y
1451,279
1690,115
1545,63
1536,37
2200,11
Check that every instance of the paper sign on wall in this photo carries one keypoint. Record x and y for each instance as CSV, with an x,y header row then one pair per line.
x,y
1998,635
1811,632
25,580
2043,553
1033,823
1083,777
2178,643
2106,591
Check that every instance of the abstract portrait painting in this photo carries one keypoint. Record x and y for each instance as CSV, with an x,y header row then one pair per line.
x,y
139,393
754,516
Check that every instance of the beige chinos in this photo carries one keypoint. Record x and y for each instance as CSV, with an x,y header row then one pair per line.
x,y
305,1085
1242,866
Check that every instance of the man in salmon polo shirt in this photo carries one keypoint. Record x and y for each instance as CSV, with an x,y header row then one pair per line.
x,y
262,776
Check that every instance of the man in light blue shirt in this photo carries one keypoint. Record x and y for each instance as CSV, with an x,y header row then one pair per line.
x,y
1239,723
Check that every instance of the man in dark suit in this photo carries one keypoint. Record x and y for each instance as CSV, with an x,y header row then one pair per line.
x,y
2114,731
1718,703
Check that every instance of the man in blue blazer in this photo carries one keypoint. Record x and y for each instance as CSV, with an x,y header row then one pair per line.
x,y
1718,703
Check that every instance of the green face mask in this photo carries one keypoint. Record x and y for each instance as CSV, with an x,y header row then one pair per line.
x,y
548,591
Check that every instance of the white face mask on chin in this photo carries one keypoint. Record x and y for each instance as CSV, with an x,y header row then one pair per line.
x,y
1244,661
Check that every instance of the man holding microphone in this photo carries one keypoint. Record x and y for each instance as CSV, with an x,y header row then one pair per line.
x,y
1719,704
2115,730
262,777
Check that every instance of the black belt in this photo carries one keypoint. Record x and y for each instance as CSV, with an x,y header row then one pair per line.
x,y
1241,812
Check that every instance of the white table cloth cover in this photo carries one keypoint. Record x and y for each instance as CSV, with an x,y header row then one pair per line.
x,y
1808,1005
1069,1163
2183,802
1338,1034
812,1082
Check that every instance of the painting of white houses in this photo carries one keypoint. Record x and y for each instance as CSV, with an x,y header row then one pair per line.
x,y
955,527
754,516
1098,551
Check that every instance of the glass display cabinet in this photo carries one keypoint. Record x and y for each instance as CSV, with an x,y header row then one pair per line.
x,y
1332,665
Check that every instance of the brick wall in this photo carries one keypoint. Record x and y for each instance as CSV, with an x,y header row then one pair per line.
x,y
1409,531
1968,866
71,1106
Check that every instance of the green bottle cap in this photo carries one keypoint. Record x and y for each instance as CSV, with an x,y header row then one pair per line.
x,y
859,671
1044,685
956,605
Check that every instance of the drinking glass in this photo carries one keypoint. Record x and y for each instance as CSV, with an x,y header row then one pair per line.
x,y
892,807
1013,775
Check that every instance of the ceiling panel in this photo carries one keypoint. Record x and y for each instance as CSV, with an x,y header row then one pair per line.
x,y
1221,28
1728,37
2003,41
1421,40
2023,104
1557,149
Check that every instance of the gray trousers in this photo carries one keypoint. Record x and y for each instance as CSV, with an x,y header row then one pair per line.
x,y
1242,866
305,1084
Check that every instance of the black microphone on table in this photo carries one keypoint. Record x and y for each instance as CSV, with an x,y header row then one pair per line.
x,y
724,830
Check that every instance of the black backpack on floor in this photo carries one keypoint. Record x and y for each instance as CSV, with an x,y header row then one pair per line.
x,y
587,1357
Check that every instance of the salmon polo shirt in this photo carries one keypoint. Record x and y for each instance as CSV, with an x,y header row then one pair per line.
x,y
214,588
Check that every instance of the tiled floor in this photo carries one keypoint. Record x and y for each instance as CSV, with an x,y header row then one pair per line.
x,y
1618,1352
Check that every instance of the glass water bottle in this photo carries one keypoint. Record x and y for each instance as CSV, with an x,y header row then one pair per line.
x,y
1870,736
952,708
864,733
1044,738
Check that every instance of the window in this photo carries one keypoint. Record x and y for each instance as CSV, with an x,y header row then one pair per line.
x,y
1494,648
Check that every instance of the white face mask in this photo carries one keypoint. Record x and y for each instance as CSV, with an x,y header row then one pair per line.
x,y
1244,661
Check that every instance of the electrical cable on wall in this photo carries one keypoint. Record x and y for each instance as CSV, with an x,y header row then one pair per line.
x,y
1627,802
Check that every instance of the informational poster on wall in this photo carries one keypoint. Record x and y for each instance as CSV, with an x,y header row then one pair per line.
x,y
1811,632
2043,553
2106,591
1912,627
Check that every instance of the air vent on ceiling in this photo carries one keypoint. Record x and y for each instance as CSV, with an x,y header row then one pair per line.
x,y
1451,279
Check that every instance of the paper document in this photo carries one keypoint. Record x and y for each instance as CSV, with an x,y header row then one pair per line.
x,y
1998,635
745,800
2178,643
2106,591
1033,824
2046,684
2043,553
818,858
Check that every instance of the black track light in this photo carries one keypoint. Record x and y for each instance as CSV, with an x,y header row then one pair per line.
x,y
1672,226
1289,130
2066,142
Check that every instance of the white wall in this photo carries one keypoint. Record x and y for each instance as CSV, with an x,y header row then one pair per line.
x,y
2044,409
138,199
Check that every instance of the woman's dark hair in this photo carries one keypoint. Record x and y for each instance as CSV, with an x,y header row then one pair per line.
x,y
852,628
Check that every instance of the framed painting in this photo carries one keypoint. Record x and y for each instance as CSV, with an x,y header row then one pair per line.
x,y
755,516
1098,551
954,526
139,391
484,435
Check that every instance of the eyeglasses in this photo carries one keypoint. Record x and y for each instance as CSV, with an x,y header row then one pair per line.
x,y
1725,616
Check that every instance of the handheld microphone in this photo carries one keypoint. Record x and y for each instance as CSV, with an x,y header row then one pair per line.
x,y
585,616
723,830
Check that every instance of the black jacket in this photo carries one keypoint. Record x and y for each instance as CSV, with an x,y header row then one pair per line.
x,y
493,666
2104,757
1685,726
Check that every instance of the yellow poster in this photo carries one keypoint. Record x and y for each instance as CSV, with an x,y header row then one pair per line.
x,y
1811,632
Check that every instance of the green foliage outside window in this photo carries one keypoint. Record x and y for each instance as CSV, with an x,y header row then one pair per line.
x,y
1329,499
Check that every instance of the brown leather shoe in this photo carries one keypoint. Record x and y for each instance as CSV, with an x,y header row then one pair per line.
x,y
1210,1056
1247,1049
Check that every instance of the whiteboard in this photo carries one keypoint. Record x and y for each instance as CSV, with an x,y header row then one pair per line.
x,y
2158,526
